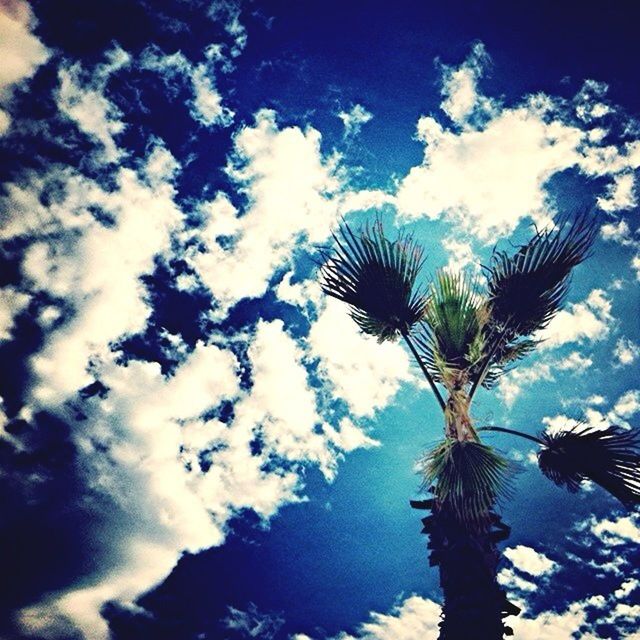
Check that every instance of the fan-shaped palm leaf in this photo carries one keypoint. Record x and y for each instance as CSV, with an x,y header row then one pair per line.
x,y
377,278
467,477
528,288
609,457
451,337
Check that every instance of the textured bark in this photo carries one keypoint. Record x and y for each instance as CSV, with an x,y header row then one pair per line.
x,y
474,603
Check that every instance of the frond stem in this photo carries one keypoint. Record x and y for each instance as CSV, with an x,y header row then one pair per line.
x,y
485,367
515,433
426,373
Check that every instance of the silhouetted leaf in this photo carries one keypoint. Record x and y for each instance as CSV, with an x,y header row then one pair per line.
x,y
377,278
467,477
609,457
528,288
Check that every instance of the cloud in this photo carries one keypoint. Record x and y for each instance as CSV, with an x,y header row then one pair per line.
x,y
81,97
584,321
492,171
530,561
12,303
206,103
515,381
620,194
459,87
626,351
289,187
362,372
354,119
21,53
617,531
628,404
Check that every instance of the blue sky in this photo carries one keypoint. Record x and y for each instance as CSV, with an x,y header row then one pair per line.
x,y
195,442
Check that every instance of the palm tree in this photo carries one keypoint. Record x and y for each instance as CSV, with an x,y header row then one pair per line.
x,y
463,335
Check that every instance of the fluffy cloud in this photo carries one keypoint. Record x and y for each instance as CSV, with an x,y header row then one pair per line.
x,y
96,269
459,87
492,173
514,382
583,321
12,303
81,97
626,351
364,373
530,561
288,185
21,52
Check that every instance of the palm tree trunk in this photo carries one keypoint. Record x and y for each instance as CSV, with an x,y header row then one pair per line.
x,y
474,603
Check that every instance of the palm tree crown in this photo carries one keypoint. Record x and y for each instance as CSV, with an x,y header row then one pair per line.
x,y
464,335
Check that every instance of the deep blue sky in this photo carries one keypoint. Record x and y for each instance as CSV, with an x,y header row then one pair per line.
x,y
145,306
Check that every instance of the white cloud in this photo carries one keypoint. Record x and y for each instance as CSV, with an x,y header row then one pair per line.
x,y
492,173
415,618
460,254
513,382
626,351
616,232
530,561
289,186
362,372
20,51
620,194
354,119
81,97
628,404
589,320
459,87
510,579
617,531
206,104
96,268
12,303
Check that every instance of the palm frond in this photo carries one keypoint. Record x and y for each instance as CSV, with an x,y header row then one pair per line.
x,y
504,360
377,278
450,335
609,457
528,288
467,478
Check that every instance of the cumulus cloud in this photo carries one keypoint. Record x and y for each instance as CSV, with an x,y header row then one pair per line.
x,y
21,52
515,381
530,561
583,321
289,186
12,303
492,171
459,87
362,372
626,351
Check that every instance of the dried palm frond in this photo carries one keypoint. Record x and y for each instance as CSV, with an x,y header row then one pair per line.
x,y
467,477
528,288
377,278
609,457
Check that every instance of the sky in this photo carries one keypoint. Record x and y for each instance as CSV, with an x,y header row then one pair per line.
x,y
195,442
